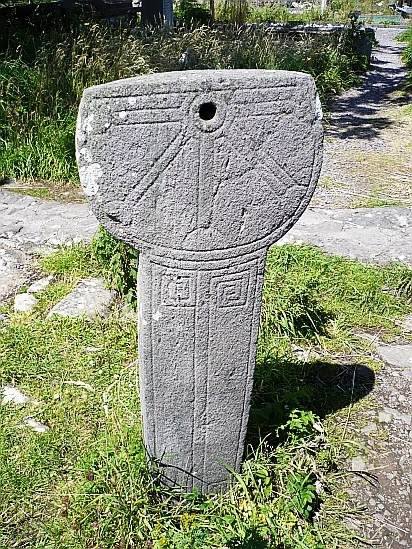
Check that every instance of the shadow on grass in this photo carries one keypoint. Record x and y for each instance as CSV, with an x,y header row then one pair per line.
x,y
253,540
319,387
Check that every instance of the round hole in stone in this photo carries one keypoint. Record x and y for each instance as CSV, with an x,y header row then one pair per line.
x,y
207,111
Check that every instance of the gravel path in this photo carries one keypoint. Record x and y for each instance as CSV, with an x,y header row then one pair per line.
x,y
362,123
365,142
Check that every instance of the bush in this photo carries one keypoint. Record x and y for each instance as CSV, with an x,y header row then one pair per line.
x,y
191,14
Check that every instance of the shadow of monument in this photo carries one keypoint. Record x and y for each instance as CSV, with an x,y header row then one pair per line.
x,y
320,387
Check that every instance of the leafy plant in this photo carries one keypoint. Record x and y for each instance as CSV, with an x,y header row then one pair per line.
x,y
190,13
304,498
119,263
404,284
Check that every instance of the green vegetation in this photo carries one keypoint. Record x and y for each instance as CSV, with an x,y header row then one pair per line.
x,y
44,70
406,36
190,13
85,482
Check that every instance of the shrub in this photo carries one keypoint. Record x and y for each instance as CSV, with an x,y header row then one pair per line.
x,y
191,14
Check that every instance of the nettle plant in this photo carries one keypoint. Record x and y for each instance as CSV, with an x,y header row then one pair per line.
x,y
119,263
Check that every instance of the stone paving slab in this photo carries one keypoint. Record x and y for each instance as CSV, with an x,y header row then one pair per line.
x,y
378,235
31,222
89,298
29,225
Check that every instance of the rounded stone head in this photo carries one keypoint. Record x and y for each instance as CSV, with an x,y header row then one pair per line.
x,y
200,164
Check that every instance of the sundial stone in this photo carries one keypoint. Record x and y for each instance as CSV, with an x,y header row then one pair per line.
x,y
201,171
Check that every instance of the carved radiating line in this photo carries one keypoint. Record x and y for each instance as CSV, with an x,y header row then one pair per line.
x,y
205,186
163,162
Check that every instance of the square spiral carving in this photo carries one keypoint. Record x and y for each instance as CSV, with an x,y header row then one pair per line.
x,y
232,291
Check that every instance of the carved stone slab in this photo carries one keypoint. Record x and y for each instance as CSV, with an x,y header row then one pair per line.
x,y
201,171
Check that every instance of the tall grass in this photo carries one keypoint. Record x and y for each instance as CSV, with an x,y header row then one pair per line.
x,y
406,36
43,75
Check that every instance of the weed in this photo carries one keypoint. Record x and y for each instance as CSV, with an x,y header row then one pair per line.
x,y
404,283
119,262
191,14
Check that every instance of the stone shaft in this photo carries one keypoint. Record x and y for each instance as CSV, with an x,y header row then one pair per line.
x,y
198,329
201,171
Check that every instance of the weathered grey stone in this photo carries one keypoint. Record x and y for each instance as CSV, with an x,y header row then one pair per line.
x,y
39,285
358,464
30,421
368,429
385,417
406,418
13,271
201,171
11,394
407,324
397,355
89,298
24,302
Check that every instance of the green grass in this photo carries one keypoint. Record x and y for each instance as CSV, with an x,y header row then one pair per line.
x,y
85,483
406,36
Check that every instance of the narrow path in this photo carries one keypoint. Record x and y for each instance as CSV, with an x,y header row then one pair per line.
x,y
368,136
368,159
29,224
367,162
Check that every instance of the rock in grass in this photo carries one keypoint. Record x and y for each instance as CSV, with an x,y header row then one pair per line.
x,y
24,302
407,324
89,298
13,395
36,425
39,285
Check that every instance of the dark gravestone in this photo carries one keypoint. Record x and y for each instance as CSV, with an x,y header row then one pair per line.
x,y
157,12
201,171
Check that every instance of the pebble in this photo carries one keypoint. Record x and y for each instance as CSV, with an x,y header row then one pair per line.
x,y
358,464
368,429
36,425
39,285
406,325
385,417
13,395
406,418
24,302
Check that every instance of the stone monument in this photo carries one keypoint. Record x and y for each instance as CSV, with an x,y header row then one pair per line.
x,y
201,171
